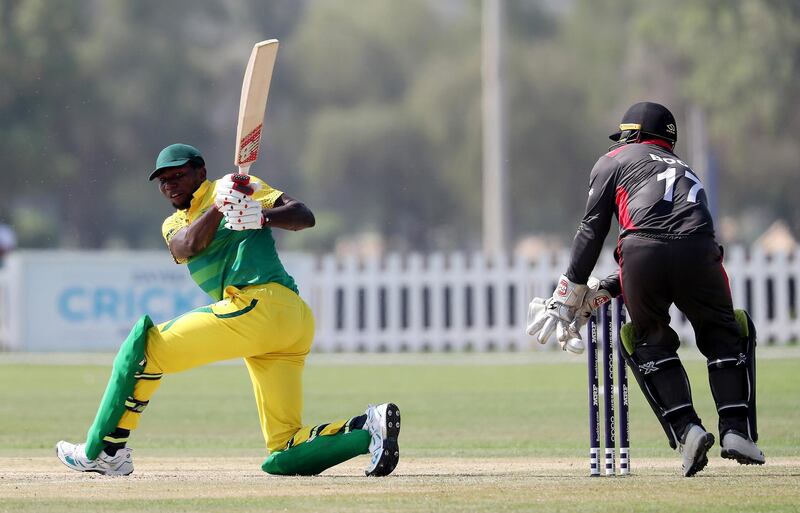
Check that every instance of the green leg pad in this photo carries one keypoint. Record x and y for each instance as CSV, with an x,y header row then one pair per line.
x,y
628,337
741,319
312,457
129,361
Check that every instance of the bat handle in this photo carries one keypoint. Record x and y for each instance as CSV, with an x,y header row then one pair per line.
x,y
240,179
244,170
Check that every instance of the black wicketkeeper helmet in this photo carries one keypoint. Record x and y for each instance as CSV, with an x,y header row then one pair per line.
x,y
646,118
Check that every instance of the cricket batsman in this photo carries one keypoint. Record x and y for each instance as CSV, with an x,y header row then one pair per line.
x,y
666,254
222,231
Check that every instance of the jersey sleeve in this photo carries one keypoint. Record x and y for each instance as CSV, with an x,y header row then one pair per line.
x,y
266,194
594,226
171,226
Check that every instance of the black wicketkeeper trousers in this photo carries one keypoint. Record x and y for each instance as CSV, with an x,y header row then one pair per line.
x,y
688,271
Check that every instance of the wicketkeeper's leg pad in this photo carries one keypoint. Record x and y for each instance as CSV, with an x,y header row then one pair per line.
x,y
128,364
628,337
733,382
665,385
317,454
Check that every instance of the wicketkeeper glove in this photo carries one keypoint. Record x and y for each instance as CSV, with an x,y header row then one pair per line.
x,y
555,314
538,316
595,298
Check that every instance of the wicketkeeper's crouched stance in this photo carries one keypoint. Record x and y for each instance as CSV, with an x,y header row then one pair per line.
x,y
222,232
666,254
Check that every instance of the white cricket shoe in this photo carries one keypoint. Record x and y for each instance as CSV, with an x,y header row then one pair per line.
x,y
383,424
742,449
74,456
694,449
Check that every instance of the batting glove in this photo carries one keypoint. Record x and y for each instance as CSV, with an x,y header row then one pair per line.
x,y
233,189
253,223
245,215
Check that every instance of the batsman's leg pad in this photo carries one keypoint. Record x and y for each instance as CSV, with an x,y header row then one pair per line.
x,y
317,454
733,382
129,362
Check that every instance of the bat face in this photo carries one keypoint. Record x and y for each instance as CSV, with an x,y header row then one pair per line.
x,y
253,103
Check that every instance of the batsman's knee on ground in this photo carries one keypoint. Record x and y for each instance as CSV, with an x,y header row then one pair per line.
x,y
316,448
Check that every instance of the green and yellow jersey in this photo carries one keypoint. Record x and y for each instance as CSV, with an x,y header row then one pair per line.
x,y
237,258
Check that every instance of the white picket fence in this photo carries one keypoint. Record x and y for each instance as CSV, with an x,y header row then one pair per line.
x,y
5,309
399,303
463,302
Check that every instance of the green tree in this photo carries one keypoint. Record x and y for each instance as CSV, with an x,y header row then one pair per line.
x,y
94,90
375,115
736,60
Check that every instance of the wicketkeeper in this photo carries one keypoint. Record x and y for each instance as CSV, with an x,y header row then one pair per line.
x,y
667,254
222,231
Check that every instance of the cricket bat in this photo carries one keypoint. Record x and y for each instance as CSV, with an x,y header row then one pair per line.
x,y
253,105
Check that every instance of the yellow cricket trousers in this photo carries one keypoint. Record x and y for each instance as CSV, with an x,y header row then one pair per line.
x,y
268,325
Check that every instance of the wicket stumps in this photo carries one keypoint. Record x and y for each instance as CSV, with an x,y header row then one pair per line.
x,y
610,326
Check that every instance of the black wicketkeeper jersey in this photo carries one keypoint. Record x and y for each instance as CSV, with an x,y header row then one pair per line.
x,y
650,190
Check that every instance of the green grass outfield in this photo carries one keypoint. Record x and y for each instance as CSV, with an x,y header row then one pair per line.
x,y
496,432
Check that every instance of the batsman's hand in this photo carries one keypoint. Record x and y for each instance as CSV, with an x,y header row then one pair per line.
x,y
233,189
595,298
245,215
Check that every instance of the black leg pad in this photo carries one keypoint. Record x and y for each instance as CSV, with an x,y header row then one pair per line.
x,y
733,383
666,387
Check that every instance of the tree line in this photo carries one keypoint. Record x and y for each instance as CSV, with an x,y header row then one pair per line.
x,y
374,115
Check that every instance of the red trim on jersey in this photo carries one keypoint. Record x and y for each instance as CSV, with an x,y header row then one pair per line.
x,y
619,269
621,200
659,142
615,151
727,282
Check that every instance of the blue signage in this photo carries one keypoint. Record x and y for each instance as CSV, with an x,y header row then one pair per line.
x,y
79,303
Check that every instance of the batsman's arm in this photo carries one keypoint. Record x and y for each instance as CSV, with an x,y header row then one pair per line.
x,y
192,239
289,214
